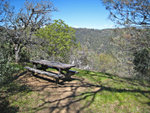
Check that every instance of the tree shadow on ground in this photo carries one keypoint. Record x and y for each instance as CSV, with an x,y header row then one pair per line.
x,y
77,92
10,88
5,106
70,96
75,99
20,74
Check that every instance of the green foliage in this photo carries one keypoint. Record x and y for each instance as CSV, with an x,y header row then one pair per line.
x,y
107,62
24,55
85,58
60,38
142,62
6,67
10,90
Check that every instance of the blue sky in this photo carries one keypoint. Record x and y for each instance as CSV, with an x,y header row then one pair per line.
x,y
79,13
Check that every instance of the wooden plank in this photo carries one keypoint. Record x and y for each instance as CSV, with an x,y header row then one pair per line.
x,y
44,72
54,64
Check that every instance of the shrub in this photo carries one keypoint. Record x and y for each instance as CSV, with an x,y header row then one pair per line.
x,y
6,67
107,63
142,62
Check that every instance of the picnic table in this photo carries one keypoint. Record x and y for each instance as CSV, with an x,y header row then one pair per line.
x,y
63,69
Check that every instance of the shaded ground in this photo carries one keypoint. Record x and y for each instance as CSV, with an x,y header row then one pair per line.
x,y
87,92
64,97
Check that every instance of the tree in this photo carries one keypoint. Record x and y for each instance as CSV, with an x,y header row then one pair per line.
x,y
22,24
2,4
129,12
142,62
135,16
6,68
60,38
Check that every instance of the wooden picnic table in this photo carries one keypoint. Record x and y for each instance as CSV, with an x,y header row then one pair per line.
x,y
63,69
53,64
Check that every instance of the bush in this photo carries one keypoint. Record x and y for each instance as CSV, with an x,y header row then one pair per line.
x,y
142,62
6,68
107,63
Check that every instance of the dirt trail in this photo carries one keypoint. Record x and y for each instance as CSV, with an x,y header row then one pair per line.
x,y
65,97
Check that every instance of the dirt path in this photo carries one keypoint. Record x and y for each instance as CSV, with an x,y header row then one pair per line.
x,y
66,97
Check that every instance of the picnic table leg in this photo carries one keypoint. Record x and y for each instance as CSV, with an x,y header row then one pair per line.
x,y
57,80
32,73
67,75
60,72
34,65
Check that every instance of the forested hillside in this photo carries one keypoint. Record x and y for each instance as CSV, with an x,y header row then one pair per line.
x,y
101,50
111,50
97,40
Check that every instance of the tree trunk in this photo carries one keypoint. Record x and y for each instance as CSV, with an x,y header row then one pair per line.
x,y
17,51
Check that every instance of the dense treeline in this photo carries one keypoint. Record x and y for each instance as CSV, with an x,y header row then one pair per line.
x,y
113,50
97,40
99,49
134,15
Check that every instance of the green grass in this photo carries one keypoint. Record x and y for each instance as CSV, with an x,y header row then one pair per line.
x,y
26,101
111,95
116,95
7,97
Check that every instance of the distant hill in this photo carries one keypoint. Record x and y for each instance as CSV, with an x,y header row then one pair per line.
x,y
97,40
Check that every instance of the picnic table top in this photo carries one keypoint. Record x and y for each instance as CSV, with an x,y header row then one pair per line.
x,y
54,64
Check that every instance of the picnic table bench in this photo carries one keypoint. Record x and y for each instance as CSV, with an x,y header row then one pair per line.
x,y
63,69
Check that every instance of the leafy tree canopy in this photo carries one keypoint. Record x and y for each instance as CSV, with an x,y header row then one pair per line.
x,y
60,38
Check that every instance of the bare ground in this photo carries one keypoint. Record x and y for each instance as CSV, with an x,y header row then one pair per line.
x,y
65,97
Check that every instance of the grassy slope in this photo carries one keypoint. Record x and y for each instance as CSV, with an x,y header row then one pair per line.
x,y
115,94
111,94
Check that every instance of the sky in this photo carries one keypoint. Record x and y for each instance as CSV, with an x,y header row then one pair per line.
x,y
79,13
